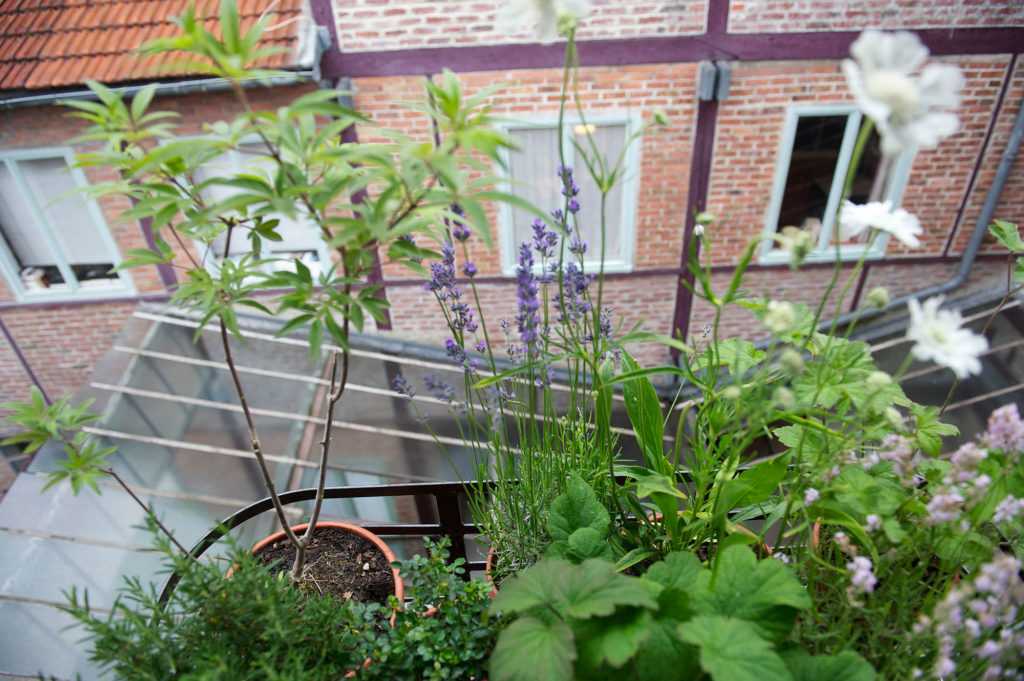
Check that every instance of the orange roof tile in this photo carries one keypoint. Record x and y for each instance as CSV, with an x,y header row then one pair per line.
x,y
60,43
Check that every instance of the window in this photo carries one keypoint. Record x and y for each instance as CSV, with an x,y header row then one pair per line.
x,y
532,173
300,236
814,156
54,239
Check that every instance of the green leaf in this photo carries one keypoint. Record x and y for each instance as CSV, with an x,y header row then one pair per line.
x,y
645,415
753,486
530,649
592,589
587,542
763,592
740,356
732,650
846,666
611,641
862,493
1008,235
663,656
577,507
930,430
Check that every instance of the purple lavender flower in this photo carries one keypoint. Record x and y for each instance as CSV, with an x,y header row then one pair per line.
x,y
558,216
544,240
480,346
438,388
577,246
469,269
461,232
402,386
527,294
572,303
442,274
454,350
570,188
574,206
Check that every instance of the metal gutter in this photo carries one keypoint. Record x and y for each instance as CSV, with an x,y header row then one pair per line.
x,y
180,87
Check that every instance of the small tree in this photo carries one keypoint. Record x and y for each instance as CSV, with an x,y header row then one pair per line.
x,y
362,198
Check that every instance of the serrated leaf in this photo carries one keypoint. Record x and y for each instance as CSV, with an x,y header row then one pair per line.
x,y
577,507
611,641
592,589
752,486
530,649
732,650
587,542
763,592
846,666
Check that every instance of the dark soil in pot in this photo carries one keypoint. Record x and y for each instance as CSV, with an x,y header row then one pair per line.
x,y
338,563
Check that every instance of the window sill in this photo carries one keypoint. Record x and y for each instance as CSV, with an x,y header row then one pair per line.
x,y
89,292
846,254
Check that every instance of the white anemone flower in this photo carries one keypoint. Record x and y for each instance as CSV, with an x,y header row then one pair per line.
x,y
540,16
855,218
938,336
910,110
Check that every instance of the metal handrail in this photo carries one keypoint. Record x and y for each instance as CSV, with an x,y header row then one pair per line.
x,y
447,499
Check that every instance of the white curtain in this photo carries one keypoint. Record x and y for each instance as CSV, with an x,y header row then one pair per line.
x,y
533,169
25,239
66,210
299,234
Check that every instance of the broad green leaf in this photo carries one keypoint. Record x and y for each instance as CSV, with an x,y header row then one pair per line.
x,y
663,656
530,649
765,593
649,483
739,356
587,542
846,666
611,641
577,507
733,650
592,589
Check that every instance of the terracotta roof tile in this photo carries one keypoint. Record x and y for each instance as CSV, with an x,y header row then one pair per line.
x,y
61,43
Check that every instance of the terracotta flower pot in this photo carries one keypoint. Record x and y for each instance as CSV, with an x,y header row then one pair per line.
x,y
381,545
492,559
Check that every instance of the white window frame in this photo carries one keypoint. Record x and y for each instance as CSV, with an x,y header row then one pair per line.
x,y
630,187
211,260
122,286
824,250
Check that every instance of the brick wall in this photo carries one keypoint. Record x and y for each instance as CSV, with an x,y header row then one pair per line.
x,y
1011,201
648,301
367,25
61,344
769,16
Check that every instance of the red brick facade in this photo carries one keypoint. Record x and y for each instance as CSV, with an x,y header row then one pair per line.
x,y
63,342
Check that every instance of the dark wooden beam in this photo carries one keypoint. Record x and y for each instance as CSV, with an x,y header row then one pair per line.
x,y
657,50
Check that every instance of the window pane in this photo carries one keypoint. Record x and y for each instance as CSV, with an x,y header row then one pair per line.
x,y
301,238
67,213
864,179
534,168
534,172
23,237
811,169
610,140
